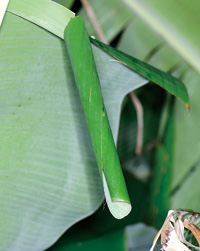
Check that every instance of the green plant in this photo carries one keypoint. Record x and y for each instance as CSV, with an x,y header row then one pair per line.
x,y
50,178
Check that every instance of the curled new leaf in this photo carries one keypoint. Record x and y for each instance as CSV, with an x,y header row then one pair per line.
x,y
81,57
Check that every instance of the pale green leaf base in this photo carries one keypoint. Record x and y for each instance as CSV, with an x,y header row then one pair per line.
x,y
119,209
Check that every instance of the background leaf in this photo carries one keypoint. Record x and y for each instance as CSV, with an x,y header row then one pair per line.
x,y
113,240
139,237
181,38
160,196
112,16
190,195
140,41
66,3
133,237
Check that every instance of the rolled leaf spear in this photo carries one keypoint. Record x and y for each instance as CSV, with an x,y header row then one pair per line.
x,y
87,81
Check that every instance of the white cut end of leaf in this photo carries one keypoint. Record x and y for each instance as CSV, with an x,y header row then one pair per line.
x,y
4,4
119,209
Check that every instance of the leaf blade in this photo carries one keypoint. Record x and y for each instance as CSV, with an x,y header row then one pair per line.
x,y
46,153
166,81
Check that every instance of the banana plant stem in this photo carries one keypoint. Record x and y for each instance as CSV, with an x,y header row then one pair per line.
x,y
92,17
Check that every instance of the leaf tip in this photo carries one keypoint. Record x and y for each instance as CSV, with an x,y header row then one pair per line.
x,y
188,106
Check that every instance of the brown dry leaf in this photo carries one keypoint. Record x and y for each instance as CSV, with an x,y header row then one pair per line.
x,y
193,228
172,231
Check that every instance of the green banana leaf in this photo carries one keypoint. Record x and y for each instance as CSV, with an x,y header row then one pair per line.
x,y
190,189
114,240
139,237
47,14
17,8
186,150
45,134
133,237
140,41
168,24
102,222
66,3
31,13
49,177
166,81
160,195
87,81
